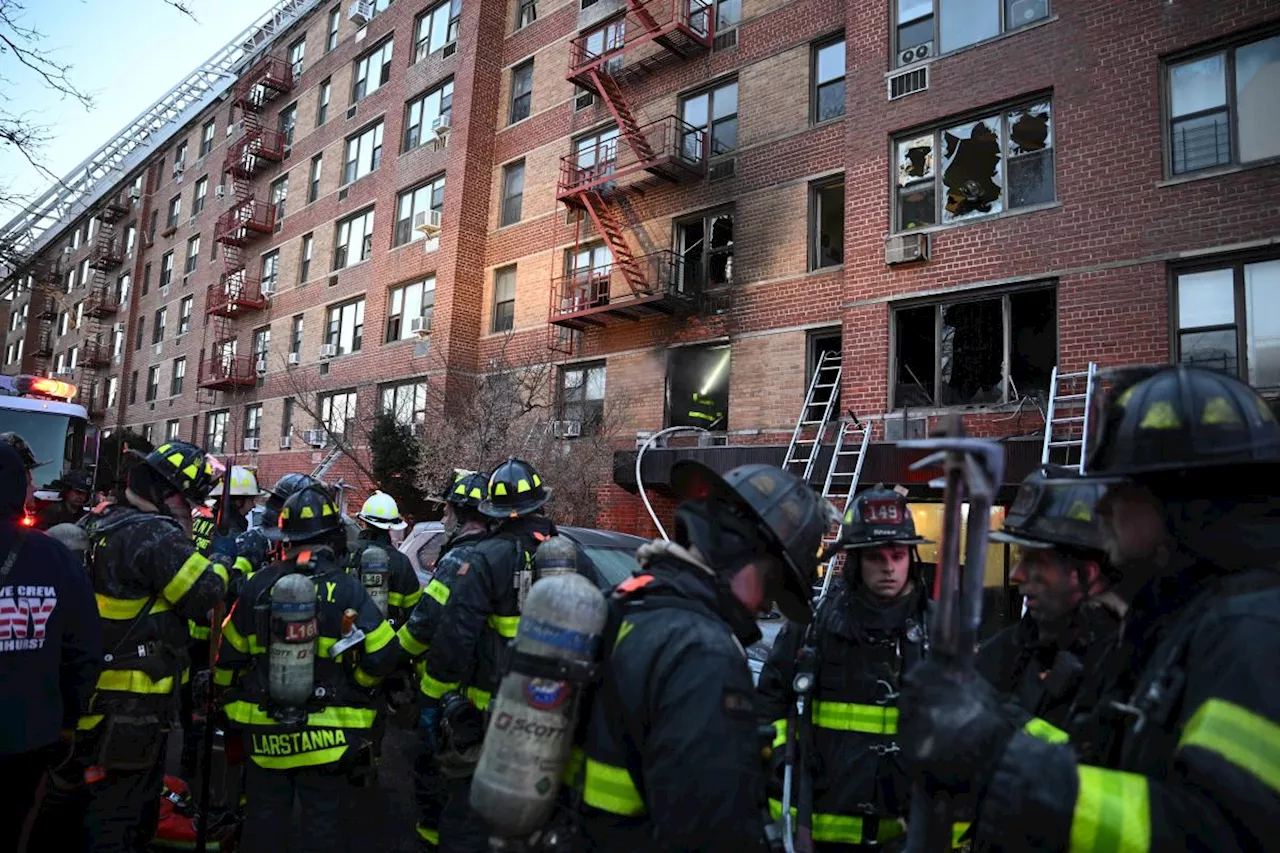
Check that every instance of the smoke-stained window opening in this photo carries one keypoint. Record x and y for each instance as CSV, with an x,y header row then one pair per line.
x,y
698,387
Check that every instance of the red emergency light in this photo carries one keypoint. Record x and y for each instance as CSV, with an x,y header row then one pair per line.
x,y
46,386
28,520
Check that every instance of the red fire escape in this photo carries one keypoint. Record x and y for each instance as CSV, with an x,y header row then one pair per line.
x,y
239,289
47,282
103,302
593,181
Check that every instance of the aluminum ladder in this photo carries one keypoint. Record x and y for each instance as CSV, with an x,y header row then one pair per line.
x,y
815,417
850,451
1066,425
326,464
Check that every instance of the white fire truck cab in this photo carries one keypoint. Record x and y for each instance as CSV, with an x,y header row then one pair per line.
x,y
39,409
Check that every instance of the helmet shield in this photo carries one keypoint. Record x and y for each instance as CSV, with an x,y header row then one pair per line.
x,y
879,516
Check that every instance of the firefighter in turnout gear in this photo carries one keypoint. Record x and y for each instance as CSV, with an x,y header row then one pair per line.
x,y
1061,569
244,494
302,654
258,546
866,633
672,744
469,647
396,588
1175,734
466,526
149,581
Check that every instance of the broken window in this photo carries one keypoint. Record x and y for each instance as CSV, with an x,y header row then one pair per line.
x,y
705,247
1213,334
698,387
985,351
827,225
989,165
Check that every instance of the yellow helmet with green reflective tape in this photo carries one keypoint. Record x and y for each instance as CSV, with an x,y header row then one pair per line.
x,y
515,490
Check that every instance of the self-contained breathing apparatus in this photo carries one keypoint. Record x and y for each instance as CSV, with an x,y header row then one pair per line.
x,y
375,574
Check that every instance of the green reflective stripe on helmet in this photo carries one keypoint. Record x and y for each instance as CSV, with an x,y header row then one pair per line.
x,y
1243,738
611,789
1112,813
505,625
842,829
852,717
1045,731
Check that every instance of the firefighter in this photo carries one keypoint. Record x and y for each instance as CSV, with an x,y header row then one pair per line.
x,y
244,495
76,487
302,653
1062,572
257,545
672,744
377,518
149,580
865,635
28,459
465,526
465,659
1175,735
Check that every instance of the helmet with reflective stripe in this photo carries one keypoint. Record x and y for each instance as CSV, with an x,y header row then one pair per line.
x,y
24,450
309,515
1054,510
243,484
467,490
185,468
879,516
515,490
381,510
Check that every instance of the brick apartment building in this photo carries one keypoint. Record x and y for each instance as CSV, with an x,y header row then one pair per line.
x,y
683,206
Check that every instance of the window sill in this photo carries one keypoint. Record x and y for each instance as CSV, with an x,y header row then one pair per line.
x,y
995,217
1216,172
825,270
814,125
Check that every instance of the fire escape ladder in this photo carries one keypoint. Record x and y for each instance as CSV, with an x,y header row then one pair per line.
x,y
640,9
605,217
611,94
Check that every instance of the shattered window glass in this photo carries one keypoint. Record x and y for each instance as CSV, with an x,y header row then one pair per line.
x,y
971,158
917,198
1030,156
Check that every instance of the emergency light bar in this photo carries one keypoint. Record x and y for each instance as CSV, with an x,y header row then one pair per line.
x,y
45,386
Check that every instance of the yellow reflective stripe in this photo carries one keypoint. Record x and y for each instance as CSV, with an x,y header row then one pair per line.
x,y
133,681
841,829
958,833
237,640
180,584
479,698
222,677
404,600
221,571
1112,814
429,835
364,679
197,632
301,759
1245,739
438,591
1045,731
324,646
610,789
435,689
851,717
119,609
410,643
244,566
333,717
779,733
88,722
505,625
377,639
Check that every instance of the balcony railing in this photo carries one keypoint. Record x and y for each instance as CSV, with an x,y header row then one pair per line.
x,y
683,27
602,296
96,354
236,294
678,152
107,255
269,78
103,302
225,372
244,221
44,346
252,151
116,208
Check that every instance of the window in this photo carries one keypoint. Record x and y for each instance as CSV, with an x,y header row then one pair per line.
x,y
326,95
286,417
297,56
338,414
705,246
953,24
180,158
133,387
610,38
288,120
84,272
521,91
1012,149
113,391
435,28
117,341
206,136
64,320
827,224
184,314
313,188
148,433
1229,320
171,430
177,377
728,14
512,192
582,395
597,154
698,387
140,333
270,271
215,432
151,229
1222,107
975,350
75,235
828,80
589,270
153,382
261,344
526,14
166,269
157,326
504,299
406,402
407,303
421,114
130,237
364,153
73,354
198,195
193,255
279,193
345,328
175,212
332,40
429,196
712,114
354,241
304,263
253,421
373,70
295,336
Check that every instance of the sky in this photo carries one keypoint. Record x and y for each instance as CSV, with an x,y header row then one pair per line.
x,y
126,53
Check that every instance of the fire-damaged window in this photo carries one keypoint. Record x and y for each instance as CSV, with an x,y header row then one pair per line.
x,y
977,168
975,350
704,244
698,387
1229,319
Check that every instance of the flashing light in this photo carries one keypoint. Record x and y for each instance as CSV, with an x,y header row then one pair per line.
x,y
47,386
28,520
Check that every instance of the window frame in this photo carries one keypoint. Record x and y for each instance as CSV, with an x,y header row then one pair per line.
x,y
524,99
306,254
420,391
815,221
323,98
428,16
177,375
434,186
278,197
297,327
504,218
269,279
334,335
502,322
331,36
816,86
252,427
297,63
153,384
590,410
341,247
936,51
193,256
521,7
208,133
351,167
198,195
384,70
674,353
707,218
166,268
350,414
421,126
215,425
185,308
174,214
399,316
159,325
314,175
708,130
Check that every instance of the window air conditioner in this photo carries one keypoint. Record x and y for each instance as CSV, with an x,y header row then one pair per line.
x,y
328,351
286,441
315,437
220,191
159,350
135,193
251,445
420,326
906,248
428,222
441,124
915,54
293,359
268,286
360,12
179,167
261,367
566,429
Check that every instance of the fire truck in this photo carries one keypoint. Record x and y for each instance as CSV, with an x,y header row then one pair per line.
x,y
40,409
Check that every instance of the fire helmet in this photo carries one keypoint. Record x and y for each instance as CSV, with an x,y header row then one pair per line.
x,y
515,490
1054,511
879,516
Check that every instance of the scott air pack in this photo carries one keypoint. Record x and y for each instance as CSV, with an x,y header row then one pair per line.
x,y
375,568
533,715
291,662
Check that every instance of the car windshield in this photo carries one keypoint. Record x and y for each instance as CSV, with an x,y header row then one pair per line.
x,y
56,440
614,564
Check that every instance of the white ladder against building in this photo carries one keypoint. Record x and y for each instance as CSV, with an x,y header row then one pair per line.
x,y
815,417
327,463
1066,426
843,474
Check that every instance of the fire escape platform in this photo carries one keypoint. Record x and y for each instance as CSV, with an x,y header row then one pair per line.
x,y
234,298
268,79
237,226
672,151
116,208
227,374
106,258
684,33
43,347
102,305
583,301
252,151
95,355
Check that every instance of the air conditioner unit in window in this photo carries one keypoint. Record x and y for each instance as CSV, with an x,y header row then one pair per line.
x,y
251,445
566,429
441,124
261,367
328,350
219,191
915,54
268,286
906,248
293,359
135,193
360,12
286,441
316,437
179,168
420,326
64,371
159,350
428,222
583,99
